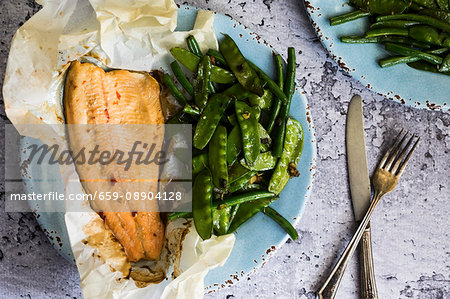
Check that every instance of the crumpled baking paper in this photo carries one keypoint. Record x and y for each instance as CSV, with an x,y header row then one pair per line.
x,y
131,34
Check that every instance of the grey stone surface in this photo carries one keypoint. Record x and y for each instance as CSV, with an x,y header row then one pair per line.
x,y
410,226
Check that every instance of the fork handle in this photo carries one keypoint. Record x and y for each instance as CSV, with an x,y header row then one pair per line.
x,y
368,284
330,287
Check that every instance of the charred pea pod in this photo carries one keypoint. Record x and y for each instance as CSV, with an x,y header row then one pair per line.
x,y
242,198
210,119
238,184
425,66
221,220
287,164
248,210
191,61
201,87
234,145
243,72
286,225
263,102
264,161
266,141
218,57
443,15
238,176
199,163
429,35
248,122
218,157
445,65
289,87
238,92
202,193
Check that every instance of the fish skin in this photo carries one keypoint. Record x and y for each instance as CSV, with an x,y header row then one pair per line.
x,y
93,96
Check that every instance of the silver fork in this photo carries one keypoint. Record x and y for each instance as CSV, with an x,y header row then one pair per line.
x,y
384,180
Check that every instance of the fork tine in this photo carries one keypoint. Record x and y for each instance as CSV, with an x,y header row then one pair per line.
x,y
381,164
399,172
395,152
401,155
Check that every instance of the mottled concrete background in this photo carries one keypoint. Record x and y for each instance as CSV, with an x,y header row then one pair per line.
x,y
410,226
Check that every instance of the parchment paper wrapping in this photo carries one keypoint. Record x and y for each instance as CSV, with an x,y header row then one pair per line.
x,y
130,34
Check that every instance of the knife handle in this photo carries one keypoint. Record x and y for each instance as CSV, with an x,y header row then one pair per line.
x,y
368,284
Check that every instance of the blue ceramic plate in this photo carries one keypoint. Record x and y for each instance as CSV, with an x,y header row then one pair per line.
x,y
401,83
258,238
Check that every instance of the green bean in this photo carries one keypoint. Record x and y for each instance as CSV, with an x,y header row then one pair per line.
x,y
394,24
347,17
209,119
201,87
193,46
242,198
240,67
420,18
425,66
386,31
412,52
248,122
264,161
234,145
191,61
177,215
356,39
221,220
390,61
263,102
199,163
192,110
275,109
202,193
217,56
176,69
287,164
218,157
174,90
247,210
289,87
271,85
286,225
280,73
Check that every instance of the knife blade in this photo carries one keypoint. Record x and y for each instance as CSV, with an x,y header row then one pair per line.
x,y
356,159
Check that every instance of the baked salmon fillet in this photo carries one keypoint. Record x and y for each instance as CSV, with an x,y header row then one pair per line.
x,y
108,100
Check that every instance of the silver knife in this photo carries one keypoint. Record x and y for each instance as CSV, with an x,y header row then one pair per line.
x,y
360,191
